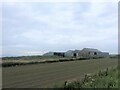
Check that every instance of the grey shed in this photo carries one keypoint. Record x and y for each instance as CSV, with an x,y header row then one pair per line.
x,y
90,52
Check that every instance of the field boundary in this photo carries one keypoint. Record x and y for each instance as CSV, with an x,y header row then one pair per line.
x,y
14,64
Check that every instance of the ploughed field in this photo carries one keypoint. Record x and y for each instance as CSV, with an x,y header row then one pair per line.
x,y
49,74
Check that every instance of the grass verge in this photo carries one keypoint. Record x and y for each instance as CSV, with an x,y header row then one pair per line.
x,y
107,78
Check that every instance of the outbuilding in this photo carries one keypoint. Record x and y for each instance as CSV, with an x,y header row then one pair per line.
x,y
90,52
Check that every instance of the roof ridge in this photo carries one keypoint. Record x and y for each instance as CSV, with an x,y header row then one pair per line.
x,y
91,49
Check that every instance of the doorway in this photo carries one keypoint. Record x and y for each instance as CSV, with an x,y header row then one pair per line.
x,y
74,54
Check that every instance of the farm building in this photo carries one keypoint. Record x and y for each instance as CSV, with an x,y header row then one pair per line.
x,y
69,53
89,52
55,54
76,53
49,54
72,53
85,52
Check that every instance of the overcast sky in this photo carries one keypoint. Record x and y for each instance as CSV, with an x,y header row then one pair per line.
x,y
36,28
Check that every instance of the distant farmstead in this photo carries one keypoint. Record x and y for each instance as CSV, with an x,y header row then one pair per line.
x,y
85,52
